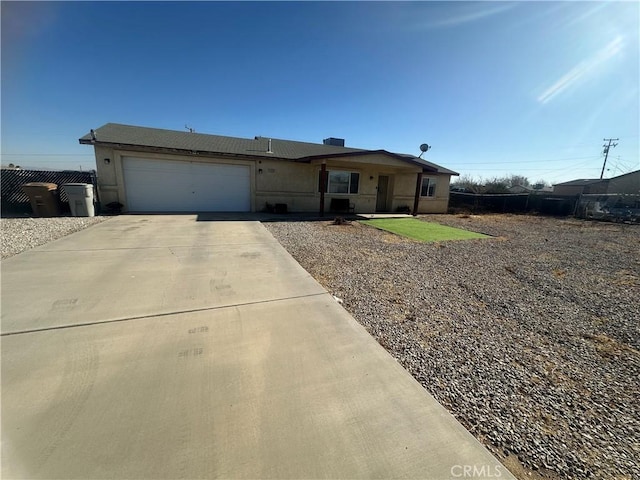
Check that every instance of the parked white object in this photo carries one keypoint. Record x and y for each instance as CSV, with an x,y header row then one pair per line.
x,y
80,197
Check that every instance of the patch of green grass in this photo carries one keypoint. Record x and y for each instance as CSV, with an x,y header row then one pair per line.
x,y
423,231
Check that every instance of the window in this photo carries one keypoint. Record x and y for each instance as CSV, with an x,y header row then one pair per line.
x,y
428,187
340,182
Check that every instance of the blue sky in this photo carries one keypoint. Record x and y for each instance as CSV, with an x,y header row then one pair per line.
x,y
497,88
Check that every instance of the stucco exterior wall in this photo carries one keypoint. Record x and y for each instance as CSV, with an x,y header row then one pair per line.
x,y
285,182
296,184
404,191
406,186
106,173
292,183
440,202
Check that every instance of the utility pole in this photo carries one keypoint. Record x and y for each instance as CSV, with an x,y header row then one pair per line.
x,y
607,146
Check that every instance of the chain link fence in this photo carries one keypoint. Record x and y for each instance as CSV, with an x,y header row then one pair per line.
x,y
543,203
14,200
609,207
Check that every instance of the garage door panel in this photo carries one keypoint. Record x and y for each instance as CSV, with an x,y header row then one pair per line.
x,y
164,185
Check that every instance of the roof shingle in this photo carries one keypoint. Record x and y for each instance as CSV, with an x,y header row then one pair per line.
x,y
128,135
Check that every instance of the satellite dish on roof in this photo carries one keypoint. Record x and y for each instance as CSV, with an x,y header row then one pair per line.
x,y
423,148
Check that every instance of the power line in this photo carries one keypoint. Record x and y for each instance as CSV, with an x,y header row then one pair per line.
x,y
545,170
515,162
620,166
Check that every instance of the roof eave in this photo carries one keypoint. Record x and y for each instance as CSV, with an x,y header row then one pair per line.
x,y
433,168
446,171
148,148
310,158
425,168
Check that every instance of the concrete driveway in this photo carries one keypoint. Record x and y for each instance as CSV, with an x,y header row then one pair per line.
x,y
166,347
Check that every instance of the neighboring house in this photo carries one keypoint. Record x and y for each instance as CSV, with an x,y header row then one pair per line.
x,y
581,186
629,183
148,169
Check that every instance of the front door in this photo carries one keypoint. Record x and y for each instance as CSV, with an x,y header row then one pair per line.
x,y
383,190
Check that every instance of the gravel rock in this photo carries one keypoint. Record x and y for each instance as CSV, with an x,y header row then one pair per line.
x,y
23,233
530,339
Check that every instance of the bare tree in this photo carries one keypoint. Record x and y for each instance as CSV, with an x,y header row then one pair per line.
x,y
467,183
470,184
517,181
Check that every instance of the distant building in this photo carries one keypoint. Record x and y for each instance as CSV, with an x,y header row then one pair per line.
x,y
519,189
629,183
581,186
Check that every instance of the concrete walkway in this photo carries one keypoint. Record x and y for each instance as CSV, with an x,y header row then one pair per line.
x,y
167,347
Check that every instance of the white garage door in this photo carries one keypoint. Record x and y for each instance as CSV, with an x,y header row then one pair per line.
x,y
171,186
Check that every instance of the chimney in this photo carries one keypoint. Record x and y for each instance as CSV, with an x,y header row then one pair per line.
x,y
336,142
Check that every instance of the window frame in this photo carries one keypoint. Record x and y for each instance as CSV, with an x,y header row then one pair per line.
x,y
431,187
350,183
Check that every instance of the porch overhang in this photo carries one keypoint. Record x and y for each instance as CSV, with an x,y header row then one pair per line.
x,y
382,160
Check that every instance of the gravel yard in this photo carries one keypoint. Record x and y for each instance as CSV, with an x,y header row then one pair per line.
x,y
531,338
22,233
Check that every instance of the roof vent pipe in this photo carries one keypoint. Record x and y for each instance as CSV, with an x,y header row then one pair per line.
x,y
269,151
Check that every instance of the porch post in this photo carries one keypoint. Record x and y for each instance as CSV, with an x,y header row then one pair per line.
x,y
323,185
416,199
